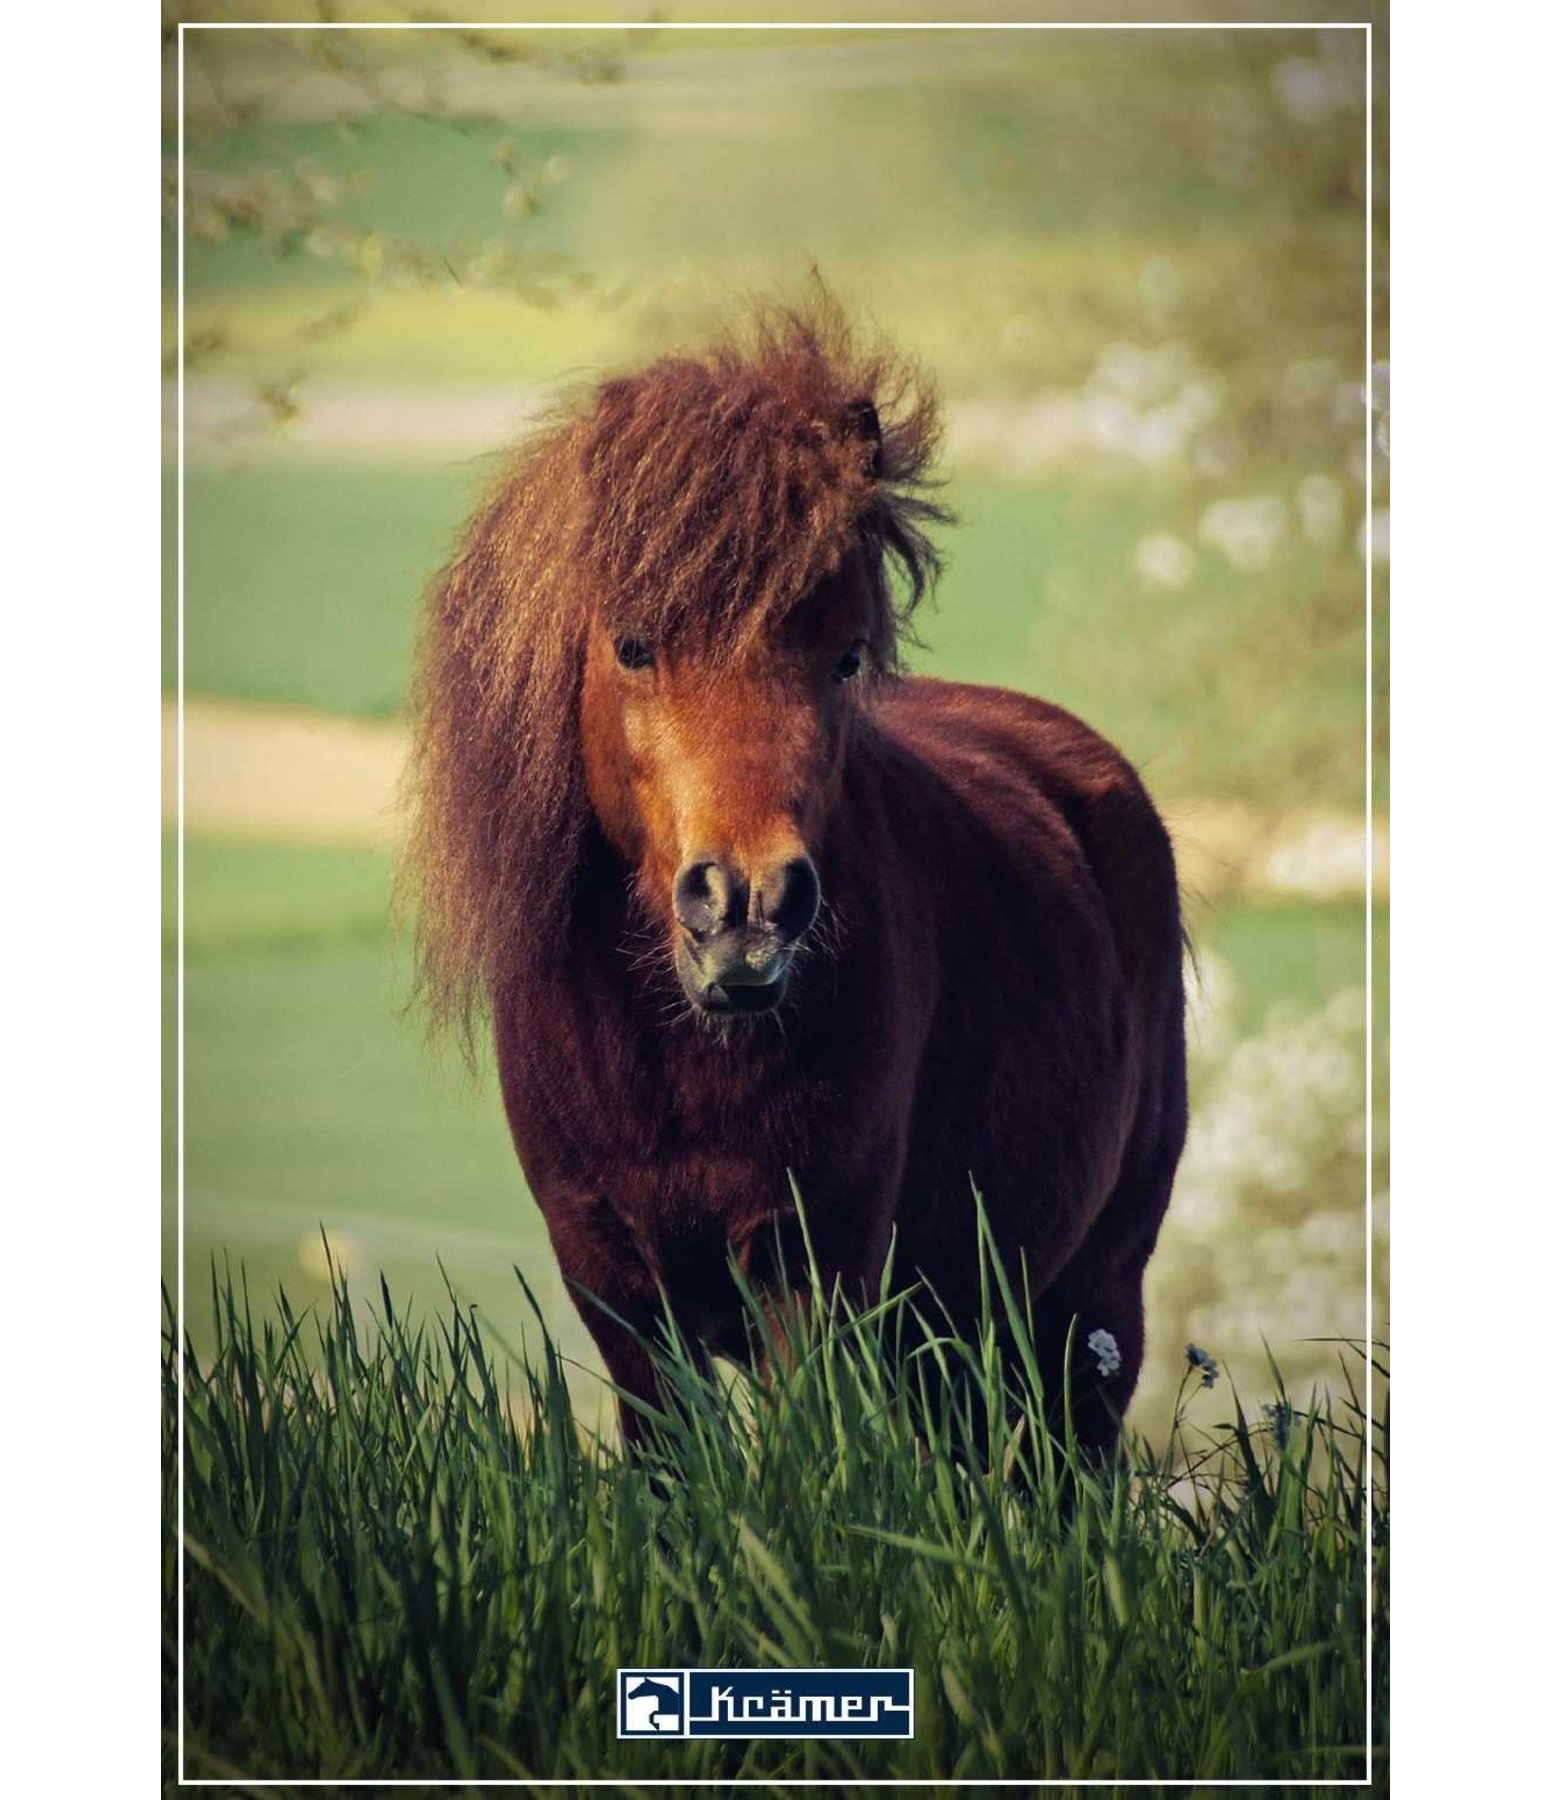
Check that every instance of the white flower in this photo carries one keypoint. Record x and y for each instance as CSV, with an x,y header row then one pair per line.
x,y
1305,89
1247,532
1380,407
1164,560
1105,1352
1313,90
1148,405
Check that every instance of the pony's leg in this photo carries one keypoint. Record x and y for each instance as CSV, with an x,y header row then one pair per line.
x,y
1091,1294
1099,1289
630,1368
850,1244
618,1302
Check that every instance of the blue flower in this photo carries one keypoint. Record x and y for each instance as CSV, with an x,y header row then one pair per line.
x,y
1279,1413
1202,1360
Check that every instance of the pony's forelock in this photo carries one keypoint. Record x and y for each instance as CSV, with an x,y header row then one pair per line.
x,y
725,486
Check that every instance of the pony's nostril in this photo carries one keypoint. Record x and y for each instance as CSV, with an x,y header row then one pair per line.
x,y
705,897
788,899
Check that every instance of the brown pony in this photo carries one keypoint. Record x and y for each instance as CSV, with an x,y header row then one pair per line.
x,y
749,906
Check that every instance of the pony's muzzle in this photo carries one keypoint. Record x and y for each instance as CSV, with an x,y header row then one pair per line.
x,y
739,934
737,972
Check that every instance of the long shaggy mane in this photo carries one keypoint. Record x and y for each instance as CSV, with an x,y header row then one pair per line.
x,y
694,501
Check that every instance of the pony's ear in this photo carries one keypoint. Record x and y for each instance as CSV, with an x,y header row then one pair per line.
x,y
862,422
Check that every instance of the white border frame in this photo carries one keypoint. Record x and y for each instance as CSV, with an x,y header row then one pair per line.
x,y
793,26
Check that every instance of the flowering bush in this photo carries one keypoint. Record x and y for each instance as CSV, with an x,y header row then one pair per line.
x,y
1265,1241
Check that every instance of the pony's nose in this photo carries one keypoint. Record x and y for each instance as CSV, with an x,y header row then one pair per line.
x,y
708,897
711,896
786,897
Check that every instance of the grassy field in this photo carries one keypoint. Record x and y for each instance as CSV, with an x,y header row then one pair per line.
x,y
404,1557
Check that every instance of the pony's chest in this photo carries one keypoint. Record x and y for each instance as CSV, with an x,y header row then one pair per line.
x,y
610,1109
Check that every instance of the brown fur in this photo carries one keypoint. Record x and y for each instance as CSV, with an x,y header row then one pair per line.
x,y
704,497
993,985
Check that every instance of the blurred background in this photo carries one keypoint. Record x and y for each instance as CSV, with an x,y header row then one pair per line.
x,y
1136,262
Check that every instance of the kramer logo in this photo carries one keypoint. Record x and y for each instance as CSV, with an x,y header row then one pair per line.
x,y
783,1703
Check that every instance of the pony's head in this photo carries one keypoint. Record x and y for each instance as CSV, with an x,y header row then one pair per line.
x,y
666,623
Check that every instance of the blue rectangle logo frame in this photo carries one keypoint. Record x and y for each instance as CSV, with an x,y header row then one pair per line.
x,y
772,1703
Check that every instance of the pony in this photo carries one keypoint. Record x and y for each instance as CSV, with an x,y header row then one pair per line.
x,y
749,908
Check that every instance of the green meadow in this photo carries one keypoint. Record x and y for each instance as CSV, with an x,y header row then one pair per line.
x,y
406,1553
1135,266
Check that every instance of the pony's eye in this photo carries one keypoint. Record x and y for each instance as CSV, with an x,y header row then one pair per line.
x,y
633,653
850,663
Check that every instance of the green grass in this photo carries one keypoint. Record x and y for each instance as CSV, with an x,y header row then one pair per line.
x,y
261,896
405,1558
311,1099
303,585
1289,953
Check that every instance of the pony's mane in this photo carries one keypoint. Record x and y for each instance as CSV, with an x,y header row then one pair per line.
x,y
696,500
